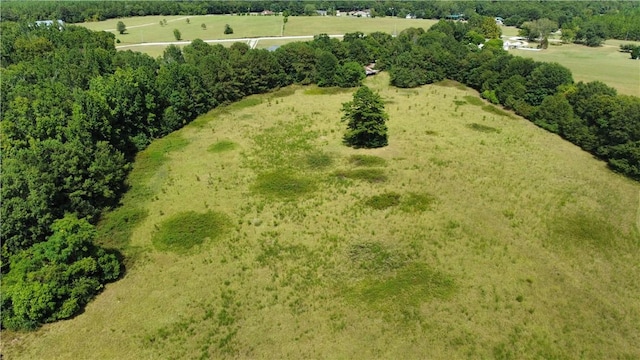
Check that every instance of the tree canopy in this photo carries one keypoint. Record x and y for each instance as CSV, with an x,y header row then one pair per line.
x,y
366,120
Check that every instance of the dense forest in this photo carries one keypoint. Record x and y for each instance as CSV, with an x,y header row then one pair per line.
x,y
75,112
580,19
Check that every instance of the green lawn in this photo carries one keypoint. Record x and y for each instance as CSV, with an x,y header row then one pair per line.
x,y
254,233
605,63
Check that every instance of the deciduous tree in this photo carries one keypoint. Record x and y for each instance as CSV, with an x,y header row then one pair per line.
x,y
121,27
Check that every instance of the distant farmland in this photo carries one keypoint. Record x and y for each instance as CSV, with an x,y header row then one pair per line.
x,y
605,63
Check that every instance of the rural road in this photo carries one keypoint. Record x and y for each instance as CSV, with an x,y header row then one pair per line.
x,y
252,42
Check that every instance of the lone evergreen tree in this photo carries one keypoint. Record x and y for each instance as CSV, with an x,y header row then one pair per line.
x,y
366,120
227,29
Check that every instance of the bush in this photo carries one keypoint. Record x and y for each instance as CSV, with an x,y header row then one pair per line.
x,y
54,279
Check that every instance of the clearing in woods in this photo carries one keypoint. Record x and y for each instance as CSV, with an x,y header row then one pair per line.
x,y
254,233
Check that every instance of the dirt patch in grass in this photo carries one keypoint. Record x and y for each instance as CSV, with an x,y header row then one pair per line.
x,y
184,231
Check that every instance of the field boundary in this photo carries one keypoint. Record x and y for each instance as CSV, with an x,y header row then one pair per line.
x,y
253,40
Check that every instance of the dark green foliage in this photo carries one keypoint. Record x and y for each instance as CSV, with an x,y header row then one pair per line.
x,y
54,279
350,74
326,66
545,80
183,231
554,111
383,201
473,37
298,62
227,29
121,27
592,34
177,34
366,120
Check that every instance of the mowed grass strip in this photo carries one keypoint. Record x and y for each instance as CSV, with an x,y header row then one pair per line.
x,y
184,231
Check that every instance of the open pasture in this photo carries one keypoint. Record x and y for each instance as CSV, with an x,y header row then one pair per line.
x,y
605,63
254,233
147,29
472,235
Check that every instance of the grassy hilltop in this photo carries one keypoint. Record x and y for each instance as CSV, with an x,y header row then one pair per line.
x,y
254,233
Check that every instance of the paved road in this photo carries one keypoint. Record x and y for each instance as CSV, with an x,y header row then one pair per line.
x,y
253,42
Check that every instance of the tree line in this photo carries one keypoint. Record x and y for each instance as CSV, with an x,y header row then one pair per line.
x,y
591,115
76,111
584,21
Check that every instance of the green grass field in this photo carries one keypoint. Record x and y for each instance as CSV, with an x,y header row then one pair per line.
x,y
605,63
254,233
148,29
